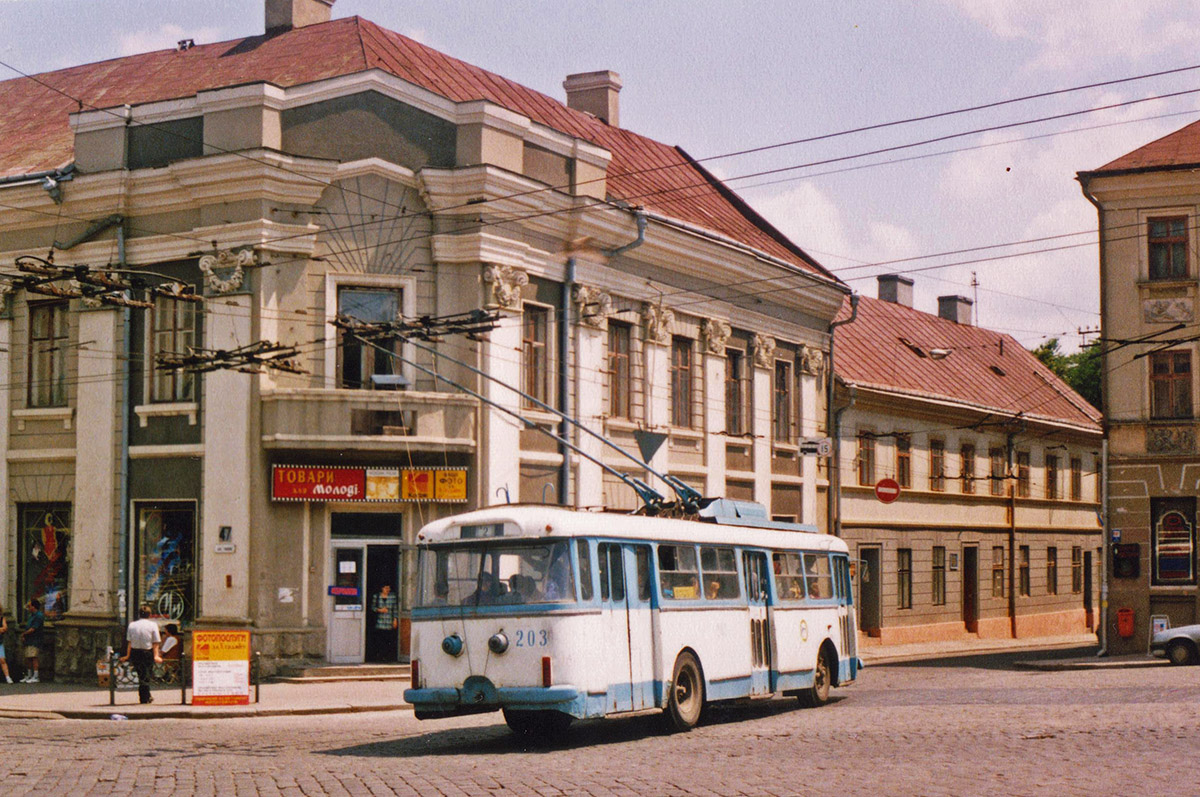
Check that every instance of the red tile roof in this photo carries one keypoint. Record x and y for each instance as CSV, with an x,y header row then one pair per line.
x,y
1174,150
34,132
875,352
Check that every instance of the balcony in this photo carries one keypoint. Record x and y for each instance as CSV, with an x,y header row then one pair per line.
x,y
366,420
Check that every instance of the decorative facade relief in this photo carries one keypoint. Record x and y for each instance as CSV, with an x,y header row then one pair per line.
x,y
658,323
764,350
1162,311
506,283
715,333
233,263
1170,440
812,360
592,306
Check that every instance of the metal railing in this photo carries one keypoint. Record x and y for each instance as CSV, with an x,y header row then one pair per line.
x,y
169,672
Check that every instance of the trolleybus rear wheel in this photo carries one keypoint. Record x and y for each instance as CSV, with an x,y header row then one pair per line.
x,y
686,700
536,724
818,693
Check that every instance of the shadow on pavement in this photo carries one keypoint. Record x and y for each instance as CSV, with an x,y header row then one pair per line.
x,y
498,740
995,660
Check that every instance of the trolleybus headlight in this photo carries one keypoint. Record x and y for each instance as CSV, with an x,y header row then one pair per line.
x,y
453,645
498,642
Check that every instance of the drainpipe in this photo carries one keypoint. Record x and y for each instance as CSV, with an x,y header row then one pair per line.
x,y
639,216
1012,538
564,381
833,425
1103,548
123,547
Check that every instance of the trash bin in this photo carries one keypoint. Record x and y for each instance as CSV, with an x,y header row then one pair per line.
x,y
1125,622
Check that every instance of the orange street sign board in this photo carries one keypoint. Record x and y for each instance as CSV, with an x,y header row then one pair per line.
x,y
220,668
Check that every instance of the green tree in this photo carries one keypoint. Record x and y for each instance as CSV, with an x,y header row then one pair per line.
x,y
1080,370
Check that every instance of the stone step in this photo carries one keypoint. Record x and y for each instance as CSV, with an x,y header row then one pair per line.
x,y
344,672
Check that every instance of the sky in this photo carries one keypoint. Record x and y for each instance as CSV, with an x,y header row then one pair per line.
x,y
721,77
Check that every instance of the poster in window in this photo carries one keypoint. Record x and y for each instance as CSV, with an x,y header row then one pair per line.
x,y
1174,541
166,560
45,547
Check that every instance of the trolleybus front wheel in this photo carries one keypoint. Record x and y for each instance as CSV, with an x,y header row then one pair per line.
x,y
686,700
818,693
536,724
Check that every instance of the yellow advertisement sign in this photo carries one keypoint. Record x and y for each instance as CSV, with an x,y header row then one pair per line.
x,y
451,485
383,484
220,668
416,485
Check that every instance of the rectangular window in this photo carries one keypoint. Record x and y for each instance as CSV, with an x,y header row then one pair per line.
x,y
48,354
997,472
866,458
357,361
1051,476
1076,479
781,411
1173,540
678,571
1023,474
904,460
937,465
585,570
44,553
789,576
1171,384
173,331
620,375
1052,571
166,573
818,576
1023,570
719,568
998,571
1168,247
535,352
1076,569
939,575
904,578
735,392
681,382
966,467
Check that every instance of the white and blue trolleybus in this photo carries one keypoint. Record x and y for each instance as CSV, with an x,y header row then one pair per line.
x,y
549,614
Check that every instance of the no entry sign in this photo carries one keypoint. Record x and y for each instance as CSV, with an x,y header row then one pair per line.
x,y
887,490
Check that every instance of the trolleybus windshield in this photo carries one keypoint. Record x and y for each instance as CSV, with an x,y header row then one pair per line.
x,y
494,573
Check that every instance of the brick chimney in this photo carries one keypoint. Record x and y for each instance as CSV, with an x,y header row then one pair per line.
x,y
595,93
956,309
895,289
284,15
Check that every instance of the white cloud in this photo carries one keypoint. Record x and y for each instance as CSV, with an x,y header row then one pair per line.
x,y
164,37
1092,28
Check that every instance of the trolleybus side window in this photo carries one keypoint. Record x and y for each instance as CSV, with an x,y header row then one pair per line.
x,y
820,579
789,576
841,570
643,572
677,568
719,570
585,570
612,575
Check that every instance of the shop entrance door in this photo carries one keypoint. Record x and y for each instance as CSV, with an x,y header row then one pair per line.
x,y
365,620
346,620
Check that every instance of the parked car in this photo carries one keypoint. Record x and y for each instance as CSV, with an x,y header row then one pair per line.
x,y
1180,645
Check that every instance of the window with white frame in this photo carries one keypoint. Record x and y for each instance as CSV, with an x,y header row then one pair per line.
x,y
172,331
369,365
48,331
535,352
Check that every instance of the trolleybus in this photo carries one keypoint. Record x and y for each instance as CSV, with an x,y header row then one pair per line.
x,y
549,614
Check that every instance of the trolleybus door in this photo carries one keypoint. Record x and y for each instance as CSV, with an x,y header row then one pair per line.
x,y
625,593
757,588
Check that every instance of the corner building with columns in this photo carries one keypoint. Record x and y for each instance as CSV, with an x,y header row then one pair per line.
x,y
334,168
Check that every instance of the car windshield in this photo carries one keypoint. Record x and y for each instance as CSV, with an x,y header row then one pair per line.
x,y
495,574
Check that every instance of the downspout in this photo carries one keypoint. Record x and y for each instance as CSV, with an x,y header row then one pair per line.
x,y
123,472
833,424
564,381
1012,539
1104,519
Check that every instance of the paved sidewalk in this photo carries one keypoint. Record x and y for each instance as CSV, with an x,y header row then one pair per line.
x,y
1044,647
78,701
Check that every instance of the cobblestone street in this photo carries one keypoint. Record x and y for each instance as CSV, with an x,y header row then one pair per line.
x,y
969,725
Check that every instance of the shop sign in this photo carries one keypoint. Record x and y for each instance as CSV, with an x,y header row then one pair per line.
x,y
220,668
343,592
340,483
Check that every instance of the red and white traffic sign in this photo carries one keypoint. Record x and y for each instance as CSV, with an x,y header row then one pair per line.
x,y
887,490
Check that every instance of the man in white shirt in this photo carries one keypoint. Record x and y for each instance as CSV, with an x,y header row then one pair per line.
x,y
141,647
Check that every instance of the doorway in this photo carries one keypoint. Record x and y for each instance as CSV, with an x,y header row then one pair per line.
x,y
366,622
870,581
970,588
1087,590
